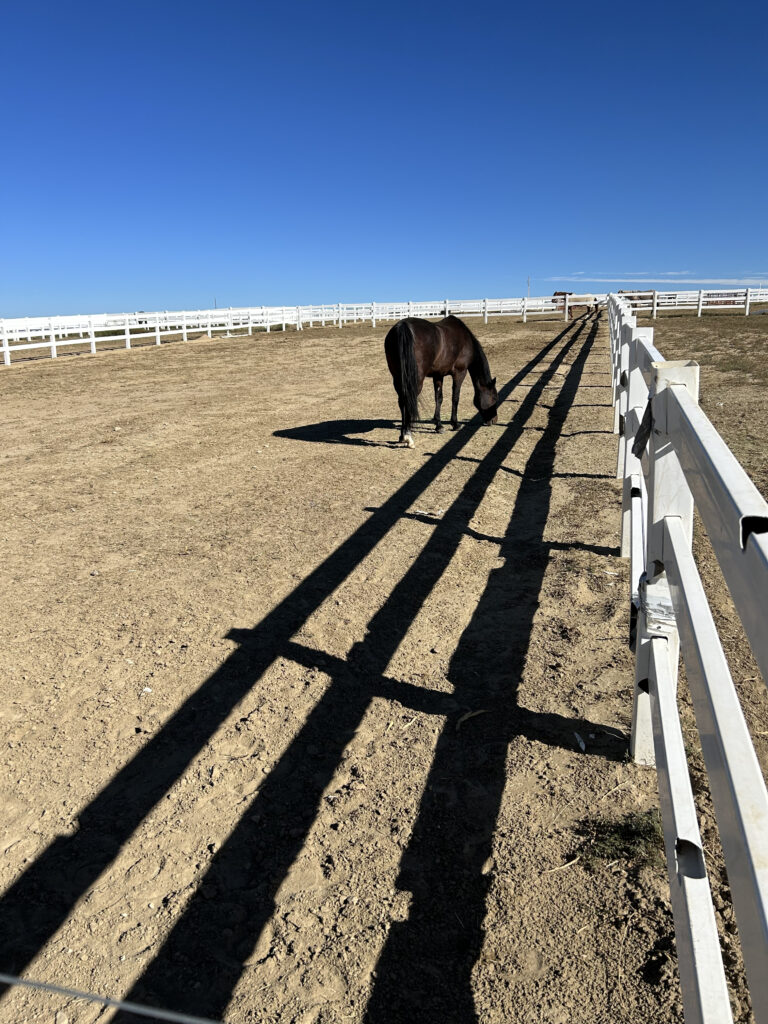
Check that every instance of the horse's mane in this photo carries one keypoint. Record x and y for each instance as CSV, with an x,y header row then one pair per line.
x,y
485,371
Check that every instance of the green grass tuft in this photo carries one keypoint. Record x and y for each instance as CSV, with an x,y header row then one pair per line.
x,y
637,838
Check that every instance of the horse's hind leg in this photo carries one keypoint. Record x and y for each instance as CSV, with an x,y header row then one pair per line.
x,y
405,428
438,402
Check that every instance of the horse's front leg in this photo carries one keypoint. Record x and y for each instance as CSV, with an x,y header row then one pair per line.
x,y
458,380
438,402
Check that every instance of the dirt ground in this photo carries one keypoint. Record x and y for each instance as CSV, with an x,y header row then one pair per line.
x,y
303,726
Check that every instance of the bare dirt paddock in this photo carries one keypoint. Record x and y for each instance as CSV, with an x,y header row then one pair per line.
x,y
302,726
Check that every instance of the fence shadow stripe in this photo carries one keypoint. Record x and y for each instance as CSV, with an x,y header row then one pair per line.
x,y
39,901
259,852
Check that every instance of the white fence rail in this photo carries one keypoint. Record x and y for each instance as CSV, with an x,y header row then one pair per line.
x,y
718,298
670,457
23,334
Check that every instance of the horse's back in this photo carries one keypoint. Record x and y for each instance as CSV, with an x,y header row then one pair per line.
x,y
440,348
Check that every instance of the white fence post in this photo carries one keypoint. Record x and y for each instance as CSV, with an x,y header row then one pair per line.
x,y
746,303
485,311
53,339
624,342
157,329
92,335
127,331
184,326
668,495
565,306
373,314
636,401
655,302
6,349
701,302
525,310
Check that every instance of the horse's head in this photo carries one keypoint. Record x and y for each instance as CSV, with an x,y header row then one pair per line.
x,y
486,401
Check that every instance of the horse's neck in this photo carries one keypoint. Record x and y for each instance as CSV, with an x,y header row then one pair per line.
x,y
478,367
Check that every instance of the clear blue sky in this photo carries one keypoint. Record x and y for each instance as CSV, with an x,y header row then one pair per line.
x,y
163,155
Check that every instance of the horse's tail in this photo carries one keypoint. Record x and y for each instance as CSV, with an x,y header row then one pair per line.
x,y
409,374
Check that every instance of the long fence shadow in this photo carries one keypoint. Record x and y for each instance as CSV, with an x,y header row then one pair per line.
x,y
252,863
250,866
424,972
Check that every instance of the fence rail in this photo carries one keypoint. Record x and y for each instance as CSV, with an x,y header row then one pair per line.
x,y
717,298
23,334
670,459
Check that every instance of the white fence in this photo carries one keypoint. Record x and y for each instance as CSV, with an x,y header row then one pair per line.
x,y
719,298
28,333
670,456
22,334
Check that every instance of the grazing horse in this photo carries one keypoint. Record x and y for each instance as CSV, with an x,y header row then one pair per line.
x,y
417,348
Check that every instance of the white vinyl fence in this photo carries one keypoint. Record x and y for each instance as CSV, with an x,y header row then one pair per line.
x,y
20,334
670,457
23,334
719,298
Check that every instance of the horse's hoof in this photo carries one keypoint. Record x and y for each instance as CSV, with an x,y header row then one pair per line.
x,y
409,442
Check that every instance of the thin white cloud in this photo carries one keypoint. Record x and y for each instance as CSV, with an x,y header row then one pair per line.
x,y
740,282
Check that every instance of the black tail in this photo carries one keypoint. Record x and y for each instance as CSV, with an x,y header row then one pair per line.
x,y
409,374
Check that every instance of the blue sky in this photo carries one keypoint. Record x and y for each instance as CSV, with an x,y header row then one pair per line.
x,y
169,155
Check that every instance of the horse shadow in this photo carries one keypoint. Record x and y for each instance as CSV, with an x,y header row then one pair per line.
x,y
337,432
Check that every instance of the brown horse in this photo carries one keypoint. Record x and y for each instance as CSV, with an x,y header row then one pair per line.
x,y
417,348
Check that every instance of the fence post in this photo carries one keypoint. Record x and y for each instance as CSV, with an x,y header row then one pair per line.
x,y
92,335
266,318
565,306
298,318
157,329
373,314
668,495
625,340
184,326
446,307
636,401
338,306
746,303
525,310
127,331
701,302
6,349
485,311
52,331
283,317
655,302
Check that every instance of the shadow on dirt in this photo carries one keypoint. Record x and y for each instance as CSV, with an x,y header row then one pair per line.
x,y
424,970
338,432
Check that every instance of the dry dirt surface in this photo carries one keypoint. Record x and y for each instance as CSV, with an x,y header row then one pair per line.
x,y
303,726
